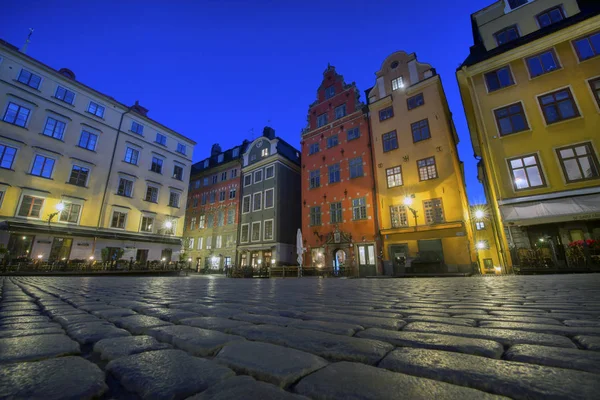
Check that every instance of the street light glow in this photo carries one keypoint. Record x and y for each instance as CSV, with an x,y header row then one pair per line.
x,y
481,245
273,261
40,256
163,259
479,214
168,225
190,259
60,206
91,258
408,201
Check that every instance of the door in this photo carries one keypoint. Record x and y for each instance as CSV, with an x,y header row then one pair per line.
x,y
366,260
399,258
19,246
141,256
61,249
166,255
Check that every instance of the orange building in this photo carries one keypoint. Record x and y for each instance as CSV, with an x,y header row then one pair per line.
x,y
338,214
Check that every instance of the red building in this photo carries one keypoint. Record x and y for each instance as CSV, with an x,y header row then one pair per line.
x,y
338,189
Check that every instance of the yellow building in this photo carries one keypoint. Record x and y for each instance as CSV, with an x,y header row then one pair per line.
x,y
485,237
423,208
81,172
531,93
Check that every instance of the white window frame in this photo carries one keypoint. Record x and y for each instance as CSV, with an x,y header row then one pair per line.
x,y
191,243
45,155
57,119
148,185
97,104
127,178
259,231
32,73
254,202
398,82
31,193
122,211
264,152
250,183
265,198
209,242
146,215
219,242
178,193
269,167
89,168
234,191
249,196
242,233
272,229
19,103
200,243
260,171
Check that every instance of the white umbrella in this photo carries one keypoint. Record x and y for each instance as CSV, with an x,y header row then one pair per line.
x,y
299,250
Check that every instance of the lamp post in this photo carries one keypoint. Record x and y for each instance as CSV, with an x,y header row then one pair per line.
x,y
59,208
408,202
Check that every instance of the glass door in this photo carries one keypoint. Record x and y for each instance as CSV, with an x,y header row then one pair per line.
x,y
366,260
61,249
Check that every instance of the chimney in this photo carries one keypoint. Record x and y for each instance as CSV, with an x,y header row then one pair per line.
x,y
139,109
67,73
269,133
215,149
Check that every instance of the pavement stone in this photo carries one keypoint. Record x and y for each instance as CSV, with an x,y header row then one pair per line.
x,y
60,378
480,347
23,320
346,380
267,362
38,347
114,313
196,341
588,342
91,333
113,348
29,325
553,329
167,374
441,320
367,322
139,324
245,387
167,314
506,378
213,323
338,328
31,332
582,360
264,319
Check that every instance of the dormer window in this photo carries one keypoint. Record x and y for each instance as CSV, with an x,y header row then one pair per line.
x,y
220,158
264,152
397,83
329,92
235,152
206,163
551,16
516,3
506,35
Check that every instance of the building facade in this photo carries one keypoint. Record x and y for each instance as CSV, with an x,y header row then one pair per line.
x,y
212,216
531,93
338,214
485,238
84,176
270,203
421,195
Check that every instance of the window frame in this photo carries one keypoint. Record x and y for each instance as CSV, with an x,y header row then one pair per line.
x,y
68,212
178,172
332,141
386,113
408,105
17,113
350,166
547,11
314,178
135,152
588,38
394,175
232,193
495,72
348,138
497,119
163,141
137,128
258,172
156,164
112,219
249,183
99,109
31,206
336,170
329,92
437,175
504,30
46,158
56,132
249,197
433,209
315,216
312,147
32,75
265,207
595,92
360,207
271,167
90,135
480,225
592,157
538,56
389,141
150,190
177,197
148,218
181,148
255,202
343,111
272,236
401,211
338,212
555,103
247,226
67,91
255,223
125,187
3,155
87,175
397,82
539,166
420,128
322,120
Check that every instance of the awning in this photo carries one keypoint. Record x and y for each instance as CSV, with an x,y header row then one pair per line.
x,y
564,209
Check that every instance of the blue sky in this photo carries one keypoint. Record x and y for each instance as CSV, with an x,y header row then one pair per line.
x,y
216,70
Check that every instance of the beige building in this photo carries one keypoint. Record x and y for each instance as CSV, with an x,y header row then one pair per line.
x,y
81,172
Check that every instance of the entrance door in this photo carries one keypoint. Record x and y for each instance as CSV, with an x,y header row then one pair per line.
x,y
366,260
399,258
166,254
20,246
141,256
339,261
61,248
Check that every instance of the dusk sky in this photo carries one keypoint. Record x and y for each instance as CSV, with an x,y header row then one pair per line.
x,y
216,70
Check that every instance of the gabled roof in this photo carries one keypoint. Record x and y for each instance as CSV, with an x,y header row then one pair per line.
x,y
213,161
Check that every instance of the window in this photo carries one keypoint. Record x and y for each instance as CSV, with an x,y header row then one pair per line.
x,y
16,115
415,101
224,176
394,176
332,141
353,133
221,218
264,152
88,140
7,156
147,223
204,198
329,92
398,216
230,216
314,148
244,233
70,213
315,179
218,242
192,223
151,194
79,175
220,158
588,47
232,193
550,16
506,35
233,173
178,172
516,3
200,243
209,243
246,204
269,198
268,234
420,130
247,179
181,148
479,225
30,79
511,119
315,216
131,156
96,109
235,152
210,221
258,176
137,128
257,201
157,164
222,195
356,167
54,128
322,120
255,232
270,170
558,106
161,139
427,169
390,141
499,79
525,172
334,173
191,244
340,111
397,83
215,179
125,187
201,222
206,162
578,162
64,94
213,197
434,214
335,212
386,113
30,206
359,208
42,166
595,85
542,63
118,220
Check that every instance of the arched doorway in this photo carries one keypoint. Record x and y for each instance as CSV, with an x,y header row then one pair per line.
x,y
339,261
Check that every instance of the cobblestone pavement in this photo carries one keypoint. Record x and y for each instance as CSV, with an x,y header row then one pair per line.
x,y
522,337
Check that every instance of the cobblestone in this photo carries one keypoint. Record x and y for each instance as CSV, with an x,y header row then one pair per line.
x,y
480,337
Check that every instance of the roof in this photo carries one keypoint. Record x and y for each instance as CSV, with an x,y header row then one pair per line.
x,y
478,52
213,162
288,151
107,97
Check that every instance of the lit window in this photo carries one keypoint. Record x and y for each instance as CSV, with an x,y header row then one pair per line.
x,y
479,225
394,176
434,213
397,83
399,217
427,169
526,172
70,213
264,152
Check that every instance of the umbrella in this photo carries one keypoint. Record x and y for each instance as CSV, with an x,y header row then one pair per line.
x,y
299,250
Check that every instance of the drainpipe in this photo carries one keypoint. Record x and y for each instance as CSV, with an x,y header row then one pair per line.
x,y
374,191
112,161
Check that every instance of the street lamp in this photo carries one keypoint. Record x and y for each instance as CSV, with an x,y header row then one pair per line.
x,y
479,214
59,208
481,245
408,202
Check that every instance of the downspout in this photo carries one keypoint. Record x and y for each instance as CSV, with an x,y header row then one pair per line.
x,y
112,161
375,191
